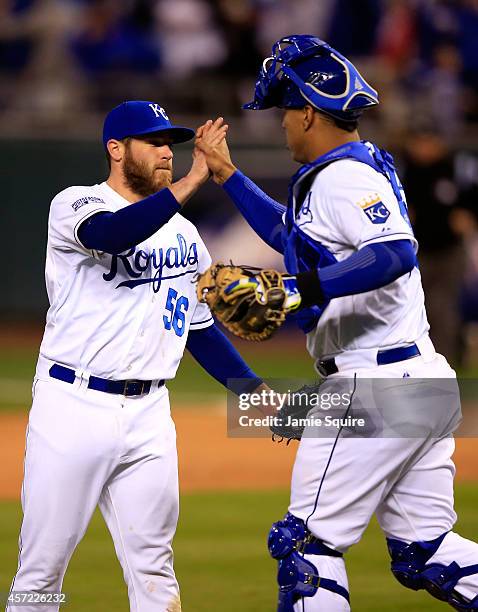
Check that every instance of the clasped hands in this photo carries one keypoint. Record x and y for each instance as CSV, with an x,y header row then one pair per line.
x,y
211,145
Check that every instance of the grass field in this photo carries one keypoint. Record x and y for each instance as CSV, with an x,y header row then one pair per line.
x,y
222,561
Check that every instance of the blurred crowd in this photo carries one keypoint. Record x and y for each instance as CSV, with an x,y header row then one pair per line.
x,y
204,53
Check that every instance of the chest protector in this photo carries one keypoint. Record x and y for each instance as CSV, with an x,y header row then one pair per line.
x,y
301,252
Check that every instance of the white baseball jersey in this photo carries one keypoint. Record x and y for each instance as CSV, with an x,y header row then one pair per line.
x,y
349,206
121,316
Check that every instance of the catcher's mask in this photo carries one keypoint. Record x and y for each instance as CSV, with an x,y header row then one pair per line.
x,y
304,69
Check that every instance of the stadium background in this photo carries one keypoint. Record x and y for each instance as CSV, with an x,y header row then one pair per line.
x,y
63,64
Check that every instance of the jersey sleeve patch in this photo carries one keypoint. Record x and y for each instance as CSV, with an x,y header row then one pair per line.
x,y
86,200
374,209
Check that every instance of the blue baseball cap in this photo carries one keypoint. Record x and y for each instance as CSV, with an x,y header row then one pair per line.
x,y
139,117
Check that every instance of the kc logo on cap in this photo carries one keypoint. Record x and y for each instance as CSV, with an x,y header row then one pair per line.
x,y
158,110
139,118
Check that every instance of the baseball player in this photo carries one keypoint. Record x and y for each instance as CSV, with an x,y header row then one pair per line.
x,y
120,273
354,283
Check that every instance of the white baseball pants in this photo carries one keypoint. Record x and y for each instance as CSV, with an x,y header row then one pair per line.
x,y
406,481
85,448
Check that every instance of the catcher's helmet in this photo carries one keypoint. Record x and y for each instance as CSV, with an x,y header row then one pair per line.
x,y
306,70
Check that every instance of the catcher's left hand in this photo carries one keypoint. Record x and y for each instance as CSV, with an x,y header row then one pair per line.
x,y
250,304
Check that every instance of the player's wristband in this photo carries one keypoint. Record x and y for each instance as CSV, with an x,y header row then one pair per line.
x,y
294,299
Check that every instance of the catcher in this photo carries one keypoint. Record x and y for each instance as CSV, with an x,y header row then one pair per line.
x,y
354,286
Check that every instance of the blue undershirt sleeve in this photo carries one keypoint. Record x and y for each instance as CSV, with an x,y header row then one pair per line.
x,y
371,267
116,232
262,212
215,353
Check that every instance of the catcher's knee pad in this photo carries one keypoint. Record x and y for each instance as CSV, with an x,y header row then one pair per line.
x,y
297,577
410,568
286,536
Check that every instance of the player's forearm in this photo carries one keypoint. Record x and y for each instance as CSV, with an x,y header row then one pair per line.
x,y
116,232
185,188
215,353
262,212
223,172
370,268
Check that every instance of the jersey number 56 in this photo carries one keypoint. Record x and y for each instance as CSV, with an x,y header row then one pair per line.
x,y
177,308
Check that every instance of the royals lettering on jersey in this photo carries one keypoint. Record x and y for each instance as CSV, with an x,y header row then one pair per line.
x,y
137,261
122,316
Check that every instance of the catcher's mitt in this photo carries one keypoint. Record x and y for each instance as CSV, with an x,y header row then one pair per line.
x,y
250,304
288,423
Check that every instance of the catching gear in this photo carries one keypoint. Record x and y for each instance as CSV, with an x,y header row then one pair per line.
x,y
297,577
304,69
409,566
296,411
250,303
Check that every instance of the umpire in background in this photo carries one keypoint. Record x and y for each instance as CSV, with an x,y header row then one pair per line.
x,y
435,198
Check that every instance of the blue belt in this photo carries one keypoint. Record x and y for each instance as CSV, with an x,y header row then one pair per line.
x,y
120,387
328,366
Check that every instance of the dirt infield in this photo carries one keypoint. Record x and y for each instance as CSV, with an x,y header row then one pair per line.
x,y
208,459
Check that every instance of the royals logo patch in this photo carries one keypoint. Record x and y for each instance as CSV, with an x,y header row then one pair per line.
x,y
375,209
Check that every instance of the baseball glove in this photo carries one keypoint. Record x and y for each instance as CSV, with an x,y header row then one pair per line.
x,y
251,304
289,422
